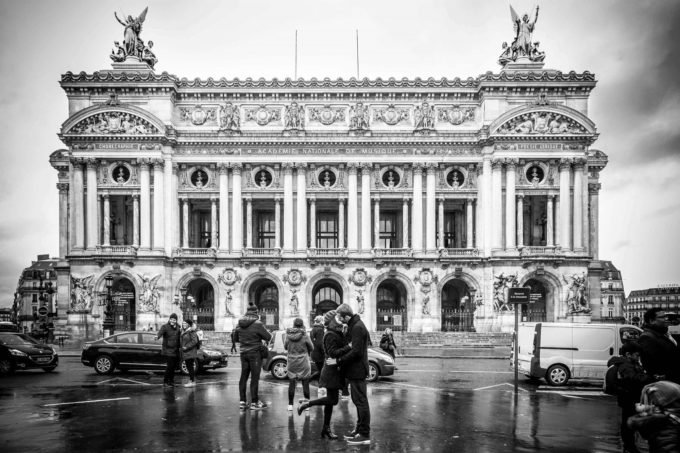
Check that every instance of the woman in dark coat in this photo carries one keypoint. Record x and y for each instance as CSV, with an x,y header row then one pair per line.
x,y
317,341
189,341
334,346
299,347
387,343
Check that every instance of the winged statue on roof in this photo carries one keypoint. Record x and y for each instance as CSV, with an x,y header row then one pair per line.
x,y
133,45
522,46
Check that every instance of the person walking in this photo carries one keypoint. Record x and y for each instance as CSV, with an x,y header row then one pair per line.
x,y
660,354
317,335
250,332
334,346
299,347
233,343
189,341
387,343
354,366
170,350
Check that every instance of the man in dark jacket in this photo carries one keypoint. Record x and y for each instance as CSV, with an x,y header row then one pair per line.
x,y
317,340
660,353
249,333
354,367
171,342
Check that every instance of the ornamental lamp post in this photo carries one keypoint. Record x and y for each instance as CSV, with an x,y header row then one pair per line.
x,y
109,321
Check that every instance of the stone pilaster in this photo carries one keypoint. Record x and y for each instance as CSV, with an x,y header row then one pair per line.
x,y
158,208
301,216
510,214
92,212
237,210
366,207
417,209
430,209
288,207
223,238
352,208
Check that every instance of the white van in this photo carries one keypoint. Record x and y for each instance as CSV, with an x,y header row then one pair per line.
x,y
558,351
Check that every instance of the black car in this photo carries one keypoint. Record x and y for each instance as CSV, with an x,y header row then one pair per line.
x,y
18,351
140,351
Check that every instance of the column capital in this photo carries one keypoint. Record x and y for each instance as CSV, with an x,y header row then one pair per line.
x,y
223,168
248,198
213,199
366,168
77,161
143,162
511,163
418,168
352,168
91,163
579,163
375,198
104,195
441,198
342,198
497,163
158,163
470,199
406,198
565,163
551,196
287,168
175,168
594,188
431,167
278,198
135,196
301,166
311,198
63,187
236,168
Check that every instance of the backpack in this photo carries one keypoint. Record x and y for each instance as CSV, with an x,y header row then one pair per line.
x,y
612,378
199,333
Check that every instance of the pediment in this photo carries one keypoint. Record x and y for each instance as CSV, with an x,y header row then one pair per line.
x,y
543,121
113,120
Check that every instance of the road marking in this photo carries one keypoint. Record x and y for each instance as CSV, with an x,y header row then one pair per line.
x,y
489,372
128,382
572,392
87,401
420,387
499,385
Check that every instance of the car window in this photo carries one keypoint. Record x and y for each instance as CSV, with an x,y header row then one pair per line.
x,y
127,338
628,334
16,340
150,338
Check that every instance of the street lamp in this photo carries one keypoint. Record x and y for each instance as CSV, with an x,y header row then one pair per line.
x,y
109,321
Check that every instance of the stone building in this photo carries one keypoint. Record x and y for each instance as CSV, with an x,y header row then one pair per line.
x,y
666,297
35,299
613,294
418,202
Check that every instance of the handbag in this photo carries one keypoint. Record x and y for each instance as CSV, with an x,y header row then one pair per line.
x,y
264,351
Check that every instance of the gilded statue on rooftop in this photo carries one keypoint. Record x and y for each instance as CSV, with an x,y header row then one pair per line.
x,y
522,48
133,46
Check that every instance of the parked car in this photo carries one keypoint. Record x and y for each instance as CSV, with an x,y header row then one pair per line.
x,y
379,363
140,351
18,351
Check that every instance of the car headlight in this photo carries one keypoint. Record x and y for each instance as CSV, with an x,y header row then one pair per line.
x,y
86,346
17,353
211,353
388,359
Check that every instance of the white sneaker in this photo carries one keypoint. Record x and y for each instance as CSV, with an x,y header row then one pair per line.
x,y
290,408
190,384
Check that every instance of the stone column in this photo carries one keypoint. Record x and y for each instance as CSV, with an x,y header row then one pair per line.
x,y
440,226
376,221
510,214
63,219
249,222
107,220
185,223
485,205
352,208
312,221
497,204
578,205
430,209
366,207
549,225
341,222
301,217
213,222
135,220
565,204
404,223
224,208
417,209
78,213
169,198
176,211
469,231
145,205
158,194
92,232
277,221
520,220
287,207
594,202
237,209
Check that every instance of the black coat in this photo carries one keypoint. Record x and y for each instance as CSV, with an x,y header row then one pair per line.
x,y
334,346
171,340
317,340
659,355
631,382
662,432
250,332
354,364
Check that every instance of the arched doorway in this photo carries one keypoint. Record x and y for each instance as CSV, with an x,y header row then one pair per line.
x,y
326,296
265,295
457,304
200,297
391,300
535,312
125,311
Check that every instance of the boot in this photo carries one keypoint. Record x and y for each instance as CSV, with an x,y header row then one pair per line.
x,y
326,432
304,405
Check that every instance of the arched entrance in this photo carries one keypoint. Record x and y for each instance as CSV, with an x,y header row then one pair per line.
x,y
391,311
265,295
535,312
200,297
125,311
457,304
326,296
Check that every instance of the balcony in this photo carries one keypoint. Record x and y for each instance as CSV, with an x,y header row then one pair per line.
x,y
454,253
195,252
326,253
392,253
537,251
255,252
118,250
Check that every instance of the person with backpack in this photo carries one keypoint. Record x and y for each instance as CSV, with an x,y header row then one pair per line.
x,y
626,378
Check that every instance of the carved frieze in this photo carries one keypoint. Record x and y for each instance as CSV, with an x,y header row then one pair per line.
x,y
424,117
327,115
544,123
294,277
230,118
262,115
359,277
358,118
114,122
229,277
294,117
197,115
456,115
391,115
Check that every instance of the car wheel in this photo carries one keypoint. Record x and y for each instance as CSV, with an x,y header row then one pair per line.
x,y
49,369
557,375
104,365
280,369
373,372
6,366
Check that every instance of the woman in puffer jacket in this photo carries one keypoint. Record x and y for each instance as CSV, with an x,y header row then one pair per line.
x,y
189,341
659,417
299,347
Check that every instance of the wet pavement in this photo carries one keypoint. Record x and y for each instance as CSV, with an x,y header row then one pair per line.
x,y
430,405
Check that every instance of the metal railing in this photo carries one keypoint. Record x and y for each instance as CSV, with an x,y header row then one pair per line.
x,y
394,318
538,251
314,252
533,316
256,251
401,252
457,320
127,250
195,252
443,253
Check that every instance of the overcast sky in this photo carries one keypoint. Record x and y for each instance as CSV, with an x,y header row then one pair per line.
x,y
632,47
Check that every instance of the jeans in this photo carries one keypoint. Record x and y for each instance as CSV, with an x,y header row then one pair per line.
x,y
360,400
251,364
627,434
292,383
191,368
170,365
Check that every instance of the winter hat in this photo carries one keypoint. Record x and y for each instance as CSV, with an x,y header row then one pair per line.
x,y
252,309
173,316
318,321
190,322
328,316
299,323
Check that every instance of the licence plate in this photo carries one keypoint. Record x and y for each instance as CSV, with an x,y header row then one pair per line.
x,y
43,359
